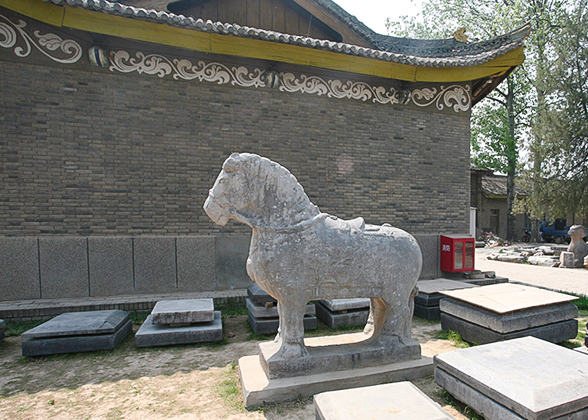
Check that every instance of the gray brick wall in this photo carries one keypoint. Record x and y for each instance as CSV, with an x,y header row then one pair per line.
x,y
87,153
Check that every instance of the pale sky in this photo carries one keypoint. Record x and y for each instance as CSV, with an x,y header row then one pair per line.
x,y
373,13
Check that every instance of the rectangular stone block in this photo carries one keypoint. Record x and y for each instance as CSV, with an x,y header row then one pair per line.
x,y
270,325
431,313
337,305
336,320
64,267
486,281
430,290
155,265
510,321
473,333
19,269
153,335
396,401
525,378
183,311
196,263
111,266
429,245
263,311
231,262
258,296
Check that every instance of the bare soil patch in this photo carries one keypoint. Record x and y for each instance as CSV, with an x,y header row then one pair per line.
x,y
180,382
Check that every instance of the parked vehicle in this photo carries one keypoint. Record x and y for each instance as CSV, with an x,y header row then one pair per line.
x,y
555,231
526,236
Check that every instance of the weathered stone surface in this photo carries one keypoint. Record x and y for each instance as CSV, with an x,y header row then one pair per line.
x,y
110,266
64,267
19,268
577,245
336,305
566,259
2,328
431,313
231,261
183,311
474,333
258,296
270,325
486,281
152,335
396,401
514,320
196,263
299,254
80,323
76,344
258,389
155,265
544,261
508,297
340,319
430,290
74,332
263,311
329,354
525,378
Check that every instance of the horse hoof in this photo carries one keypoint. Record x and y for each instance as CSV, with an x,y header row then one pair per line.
x,y
292,351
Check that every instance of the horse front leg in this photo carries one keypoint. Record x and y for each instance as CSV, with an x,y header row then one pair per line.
x,y
292,329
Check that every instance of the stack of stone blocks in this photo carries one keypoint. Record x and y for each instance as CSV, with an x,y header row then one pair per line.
x,y
523,378
263,312
343,312
505,311
74,332
180,321
426,302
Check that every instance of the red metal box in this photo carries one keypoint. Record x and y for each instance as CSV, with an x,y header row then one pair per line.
x,y
457,253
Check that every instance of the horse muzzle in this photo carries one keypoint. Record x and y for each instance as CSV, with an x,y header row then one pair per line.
x,y
215,212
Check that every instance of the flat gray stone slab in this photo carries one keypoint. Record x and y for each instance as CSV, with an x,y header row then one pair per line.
x,y
429,287
76,344
431,313
523,378
340,319
183,311
270,325
153,335
336,305
510,321
259,390
80,324
263,311
554,333
486,281
396,401
258,295
507,297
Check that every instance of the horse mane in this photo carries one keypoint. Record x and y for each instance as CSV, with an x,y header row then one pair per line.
x,y
273,176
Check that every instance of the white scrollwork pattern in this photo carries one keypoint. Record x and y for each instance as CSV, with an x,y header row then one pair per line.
x,y
456,97
184,69
47,43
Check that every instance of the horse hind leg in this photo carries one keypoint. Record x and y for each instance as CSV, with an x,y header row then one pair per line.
x,y
291,336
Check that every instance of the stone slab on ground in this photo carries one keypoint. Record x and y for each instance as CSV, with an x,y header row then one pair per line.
x,y
263,311
77,332
512,321
486,281
474,333
430,290
2,328
525,378
340,319
335,353
153,335
183,311
508,297
258,389
80,324
270,325
258,295
395,401
430,313
336,305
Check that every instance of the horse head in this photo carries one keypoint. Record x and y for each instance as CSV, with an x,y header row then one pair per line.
x,y
258,192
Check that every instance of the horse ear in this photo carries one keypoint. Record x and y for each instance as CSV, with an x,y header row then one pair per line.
x,y
231,163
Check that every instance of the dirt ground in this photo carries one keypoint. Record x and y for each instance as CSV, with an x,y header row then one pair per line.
x,y
180,382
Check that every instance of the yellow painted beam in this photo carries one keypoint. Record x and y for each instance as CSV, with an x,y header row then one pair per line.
x,y
162,34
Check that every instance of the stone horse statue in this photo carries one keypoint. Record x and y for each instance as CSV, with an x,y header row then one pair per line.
x,y
299,254
577,244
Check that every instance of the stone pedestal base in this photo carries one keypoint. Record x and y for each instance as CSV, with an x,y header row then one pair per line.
x,y
335,353
258,389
